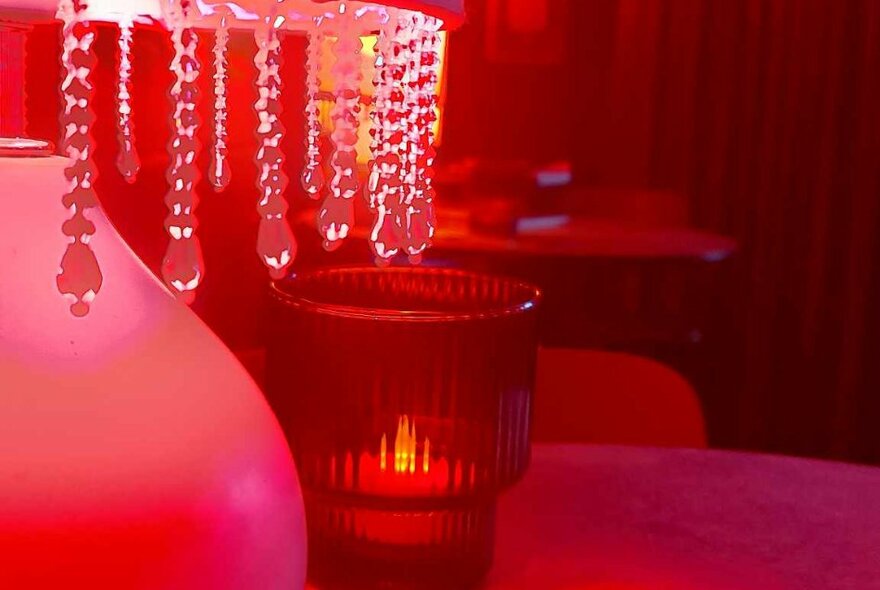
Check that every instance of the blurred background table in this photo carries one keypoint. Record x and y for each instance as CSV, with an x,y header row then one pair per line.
x,y
582,237
634,283
664,292
634,518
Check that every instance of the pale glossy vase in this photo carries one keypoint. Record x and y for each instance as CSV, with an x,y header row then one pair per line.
x,y
135,452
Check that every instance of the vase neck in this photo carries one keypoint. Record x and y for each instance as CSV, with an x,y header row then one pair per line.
x,y
35,317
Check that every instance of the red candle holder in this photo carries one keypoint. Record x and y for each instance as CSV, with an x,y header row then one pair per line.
x,y
406,396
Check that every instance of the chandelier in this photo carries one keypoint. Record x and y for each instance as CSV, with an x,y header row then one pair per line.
x,y
402,113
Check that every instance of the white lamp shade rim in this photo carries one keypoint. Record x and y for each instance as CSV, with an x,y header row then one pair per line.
x,y
301,14
36,11
298,14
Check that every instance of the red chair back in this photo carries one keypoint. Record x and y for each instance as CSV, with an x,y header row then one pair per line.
x,y
614,398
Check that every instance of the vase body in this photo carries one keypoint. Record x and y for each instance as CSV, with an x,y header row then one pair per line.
x,y
136,452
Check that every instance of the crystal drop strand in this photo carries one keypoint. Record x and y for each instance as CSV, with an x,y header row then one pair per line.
x,y
336,214
313,174
378,113
401,111
127,162
384,180
182,267
421,222
413,23
80,277
276,244
219,172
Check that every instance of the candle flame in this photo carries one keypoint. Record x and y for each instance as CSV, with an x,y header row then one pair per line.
x,y
405,449
412,449
426,465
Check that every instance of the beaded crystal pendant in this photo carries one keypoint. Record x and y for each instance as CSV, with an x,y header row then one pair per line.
x,y
401,109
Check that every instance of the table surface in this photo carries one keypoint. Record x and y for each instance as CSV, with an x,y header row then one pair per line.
x,y
632,518
618,518
594,238
579,237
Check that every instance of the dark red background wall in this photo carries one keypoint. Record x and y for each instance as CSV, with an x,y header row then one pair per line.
x,y
763,112
766,115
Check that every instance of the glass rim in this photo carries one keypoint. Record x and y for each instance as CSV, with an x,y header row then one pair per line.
x,y
530,298
24,147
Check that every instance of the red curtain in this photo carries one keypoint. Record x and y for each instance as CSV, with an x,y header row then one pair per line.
x,y
766,113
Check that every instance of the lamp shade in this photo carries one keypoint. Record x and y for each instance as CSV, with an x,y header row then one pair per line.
x,y
451,11
116,10
403,111
244,11
300,14
136,452
98,10
28,10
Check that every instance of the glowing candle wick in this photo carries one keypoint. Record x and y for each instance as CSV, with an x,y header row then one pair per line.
x,y
412,448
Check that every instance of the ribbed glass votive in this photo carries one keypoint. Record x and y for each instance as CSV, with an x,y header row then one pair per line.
x,y
406,398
